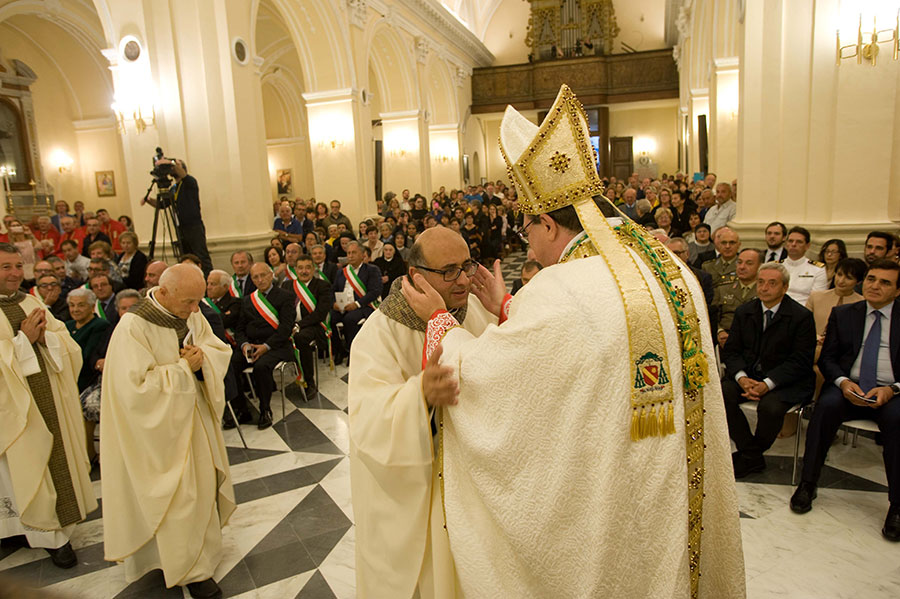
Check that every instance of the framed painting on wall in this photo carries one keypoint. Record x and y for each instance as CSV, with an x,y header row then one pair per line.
x,y
285,185
106,183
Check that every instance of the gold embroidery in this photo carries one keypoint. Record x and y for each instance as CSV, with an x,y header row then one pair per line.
x,y
560,162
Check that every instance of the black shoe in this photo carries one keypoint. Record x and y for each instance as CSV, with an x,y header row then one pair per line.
x,y
801,501
265,419
311,392
748,464
891,530
64,557
243,417
205,589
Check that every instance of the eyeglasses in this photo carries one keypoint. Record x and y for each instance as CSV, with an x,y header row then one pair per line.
x,y
523,234
451,274
48,285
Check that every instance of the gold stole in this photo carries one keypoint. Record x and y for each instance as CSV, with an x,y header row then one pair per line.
x,y
652,396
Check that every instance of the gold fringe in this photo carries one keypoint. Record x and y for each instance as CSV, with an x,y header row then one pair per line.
x,y
662,420
635,424
652,423
670,424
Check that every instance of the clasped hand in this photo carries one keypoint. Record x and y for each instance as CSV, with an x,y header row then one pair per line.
x,y
34,325
753,390
193,355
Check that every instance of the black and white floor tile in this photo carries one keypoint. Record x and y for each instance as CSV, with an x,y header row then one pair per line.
x,y
292,534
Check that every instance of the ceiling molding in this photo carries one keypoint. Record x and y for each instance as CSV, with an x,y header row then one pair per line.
x,y
437,16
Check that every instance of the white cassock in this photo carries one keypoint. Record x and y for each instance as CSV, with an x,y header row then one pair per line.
x,y
166,483
400,540
28,473
546,494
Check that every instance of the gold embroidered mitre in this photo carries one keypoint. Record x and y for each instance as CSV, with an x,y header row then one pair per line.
x,y
552,166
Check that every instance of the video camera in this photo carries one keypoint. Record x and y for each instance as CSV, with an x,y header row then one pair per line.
x,y
163,174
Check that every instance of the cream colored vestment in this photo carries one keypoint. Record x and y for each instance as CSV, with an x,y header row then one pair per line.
x,y
166,482
546,494
27,494
400,539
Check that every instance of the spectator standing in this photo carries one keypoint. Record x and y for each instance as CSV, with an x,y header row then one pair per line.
x,y
132,261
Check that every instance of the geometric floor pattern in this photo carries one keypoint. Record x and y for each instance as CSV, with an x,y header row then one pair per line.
x,y
292,534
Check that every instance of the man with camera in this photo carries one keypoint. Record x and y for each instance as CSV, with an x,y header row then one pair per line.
x,y
186,199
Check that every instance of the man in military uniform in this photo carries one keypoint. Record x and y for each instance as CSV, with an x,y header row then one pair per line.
x,y
727,298
806,275
722,269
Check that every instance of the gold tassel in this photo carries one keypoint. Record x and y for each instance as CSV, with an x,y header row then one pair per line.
x,y
652,422
670,425
635,424
662,420
694,367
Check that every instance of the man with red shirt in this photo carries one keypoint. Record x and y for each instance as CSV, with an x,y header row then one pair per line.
x,y
111,228
70,230
47,234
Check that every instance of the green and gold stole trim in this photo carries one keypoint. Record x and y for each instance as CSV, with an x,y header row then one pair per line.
x,y
653,412
694,367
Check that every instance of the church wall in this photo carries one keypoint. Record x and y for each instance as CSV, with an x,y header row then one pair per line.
x,y
290,153
474,144
649,121
505,33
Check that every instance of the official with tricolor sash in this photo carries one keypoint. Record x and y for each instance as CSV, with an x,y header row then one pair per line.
x,y
357,291
314,299
263,338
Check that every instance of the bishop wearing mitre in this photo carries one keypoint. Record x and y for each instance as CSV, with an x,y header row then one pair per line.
x,y
588,454
45,485
166,484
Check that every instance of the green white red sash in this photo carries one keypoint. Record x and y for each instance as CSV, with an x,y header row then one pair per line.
x,y
307,298
234,288
322,275
270,315
229,333
359,288
99,311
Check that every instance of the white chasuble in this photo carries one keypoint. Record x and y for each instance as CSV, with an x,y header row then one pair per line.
x,y
400,539
166,483
546,493
28,496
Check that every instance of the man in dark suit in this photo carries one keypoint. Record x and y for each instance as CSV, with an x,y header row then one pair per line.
x,y
243,285
264,336
228,309
355,297
776,235
314,299
92,234
860,362
102,287
529,269
768,359
323,268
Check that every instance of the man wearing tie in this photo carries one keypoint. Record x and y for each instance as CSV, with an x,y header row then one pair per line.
x,y
264,338
314,298
357,291
241,283
776,233
860,361
768,359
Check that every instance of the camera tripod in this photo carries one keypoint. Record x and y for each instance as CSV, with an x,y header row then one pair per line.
x,y
164,214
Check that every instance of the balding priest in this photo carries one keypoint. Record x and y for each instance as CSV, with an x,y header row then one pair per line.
x,y
588,455
45,485
401,545
166,484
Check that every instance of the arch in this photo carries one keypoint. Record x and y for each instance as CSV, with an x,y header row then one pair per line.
x,y
322,44
393,65
442,97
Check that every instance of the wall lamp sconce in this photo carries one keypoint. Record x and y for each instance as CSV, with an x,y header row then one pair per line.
x,y
138,115
61,161
869,50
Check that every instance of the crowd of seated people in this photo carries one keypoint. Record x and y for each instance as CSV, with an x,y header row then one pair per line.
x,y
789,329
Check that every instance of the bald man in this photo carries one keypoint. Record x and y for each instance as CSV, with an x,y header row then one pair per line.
x,y
166,483
151,276
401,544
263,338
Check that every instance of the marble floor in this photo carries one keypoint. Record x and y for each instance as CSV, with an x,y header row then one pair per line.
x,y
292,534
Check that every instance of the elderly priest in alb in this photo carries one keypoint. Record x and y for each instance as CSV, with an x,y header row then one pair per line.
x,y
588,455
166,484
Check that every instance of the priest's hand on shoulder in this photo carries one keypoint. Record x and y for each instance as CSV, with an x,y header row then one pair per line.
x,y
194,357
34,325
422,297
490,288
438,382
